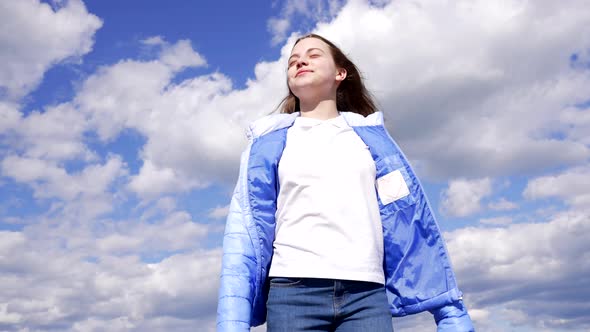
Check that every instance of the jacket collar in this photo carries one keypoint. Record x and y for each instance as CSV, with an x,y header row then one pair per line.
x,y
274,122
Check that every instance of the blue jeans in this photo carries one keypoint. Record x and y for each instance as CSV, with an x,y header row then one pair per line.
x,y
306,304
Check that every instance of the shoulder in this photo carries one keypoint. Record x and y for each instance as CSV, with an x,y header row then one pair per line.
x,y
270,123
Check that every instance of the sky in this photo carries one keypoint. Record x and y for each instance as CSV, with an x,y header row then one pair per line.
x,y
122,122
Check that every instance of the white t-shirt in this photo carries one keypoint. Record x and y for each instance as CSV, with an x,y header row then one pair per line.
x,y
328,221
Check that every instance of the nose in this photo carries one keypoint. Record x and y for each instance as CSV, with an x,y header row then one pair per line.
x,y
302,61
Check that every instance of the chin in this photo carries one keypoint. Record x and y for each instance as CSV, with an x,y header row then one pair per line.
x,y
302,86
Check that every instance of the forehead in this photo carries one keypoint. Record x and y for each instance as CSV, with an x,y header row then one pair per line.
x,y
307,43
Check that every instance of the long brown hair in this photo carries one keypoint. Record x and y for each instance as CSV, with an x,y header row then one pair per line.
x,y
351,96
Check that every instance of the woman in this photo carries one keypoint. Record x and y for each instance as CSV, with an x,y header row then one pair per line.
x,y
329,229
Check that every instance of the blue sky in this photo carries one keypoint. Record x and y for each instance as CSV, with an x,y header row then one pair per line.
x,y
121,126
129,22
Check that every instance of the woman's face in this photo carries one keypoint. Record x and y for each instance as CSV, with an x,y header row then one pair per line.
x,y
311,66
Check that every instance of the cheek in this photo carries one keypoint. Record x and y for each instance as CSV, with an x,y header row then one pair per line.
x,y
291,76
325,67
290,82
291,71
331,67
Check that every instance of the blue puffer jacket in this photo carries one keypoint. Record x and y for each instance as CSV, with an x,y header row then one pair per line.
x,y
418,273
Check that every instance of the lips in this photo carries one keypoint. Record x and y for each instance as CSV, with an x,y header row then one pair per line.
x,y
302,71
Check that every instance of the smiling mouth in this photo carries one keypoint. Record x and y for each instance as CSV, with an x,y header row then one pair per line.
x,y
302,72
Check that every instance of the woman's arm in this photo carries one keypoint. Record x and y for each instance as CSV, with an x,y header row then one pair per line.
x,y
238,268
453,317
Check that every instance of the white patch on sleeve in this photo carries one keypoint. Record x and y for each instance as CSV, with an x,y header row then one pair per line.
x,y
392,187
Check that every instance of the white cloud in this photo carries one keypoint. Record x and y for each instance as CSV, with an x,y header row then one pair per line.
x,y
526,267
52,181
7,317
451,80
181,55
481,105
154,40
420,322
153,238
572,186
87,193
176,232
56,134
118,243
463,197
305,12
56,289
65,273
503,204
166,204
162,207
498,221
464,93
152,181
121,94
9,116
278,28
37,37
195,129
479,315
485,115
575,123
219,212
10,240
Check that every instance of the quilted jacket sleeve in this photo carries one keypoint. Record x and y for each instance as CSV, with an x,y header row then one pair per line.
x,y
238,266
453,317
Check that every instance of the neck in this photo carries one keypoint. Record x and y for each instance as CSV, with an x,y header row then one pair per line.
x,y
322,109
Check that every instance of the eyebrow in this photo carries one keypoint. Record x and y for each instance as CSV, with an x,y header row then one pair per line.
x,y
308,50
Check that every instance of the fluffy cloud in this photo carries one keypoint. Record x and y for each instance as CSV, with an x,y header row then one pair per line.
x,y
499,221
533,269
9,116
152,181
502,205
575,124
69,273
471,89
53,181
304,12
219,212
195,129
37,37
57,289
572,186
86,193
175,232
485,114
55,134
463,197
465,92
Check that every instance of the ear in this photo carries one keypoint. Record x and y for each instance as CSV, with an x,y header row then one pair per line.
x,y
340,74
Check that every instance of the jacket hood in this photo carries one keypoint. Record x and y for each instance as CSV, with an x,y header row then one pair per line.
x,y
274,122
